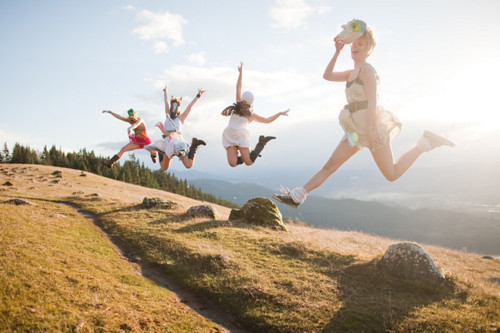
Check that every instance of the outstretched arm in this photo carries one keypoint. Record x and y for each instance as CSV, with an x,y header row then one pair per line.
x,y
117,116
167,104
329,74
185,114
239,83
259,119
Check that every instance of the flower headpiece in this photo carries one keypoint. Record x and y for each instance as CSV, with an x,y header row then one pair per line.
x,y
352,31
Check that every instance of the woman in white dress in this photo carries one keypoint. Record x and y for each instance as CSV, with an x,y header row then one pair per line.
x,y
173,142
236,137
366,124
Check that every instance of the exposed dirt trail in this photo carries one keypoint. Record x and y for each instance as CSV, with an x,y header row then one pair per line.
x,y
198,303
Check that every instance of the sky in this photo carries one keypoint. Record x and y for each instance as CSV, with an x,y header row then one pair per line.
x,y
63,62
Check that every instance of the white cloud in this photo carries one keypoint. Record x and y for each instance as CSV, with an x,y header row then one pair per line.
x,y
160,47
197,58
160,27
292,14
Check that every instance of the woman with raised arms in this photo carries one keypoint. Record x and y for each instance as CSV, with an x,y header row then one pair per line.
x,y
236,137
173,142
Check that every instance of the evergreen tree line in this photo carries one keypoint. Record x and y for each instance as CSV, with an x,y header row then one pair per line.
x,y
131,171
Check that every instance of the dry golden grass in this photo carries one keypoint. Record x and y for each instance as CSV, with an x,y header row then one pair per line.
x,y
59,272
303,280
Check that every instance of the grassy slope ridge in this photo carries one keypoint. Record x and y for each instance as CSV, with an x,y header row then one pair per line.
x,y
302,280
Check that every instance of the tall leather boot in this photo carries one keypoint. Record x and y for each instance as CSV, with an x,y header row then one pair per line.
x,y
111,162
194,145
263,140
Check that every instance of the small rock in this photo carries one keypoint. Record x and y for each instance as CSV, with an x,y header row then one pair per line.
x,y
18,201
488,257
83,175
7,183
202,211
78,193
261,212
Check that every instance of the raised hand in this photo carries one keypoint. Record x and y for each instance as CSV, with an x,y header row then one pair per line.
x,y
339,45
285,113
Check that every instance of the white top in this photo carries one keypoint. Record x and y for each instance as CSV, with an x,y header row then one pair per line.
x,y
174,125
237,122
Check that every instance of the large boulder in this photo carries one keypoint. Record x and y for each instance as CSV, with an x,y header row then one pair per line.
x,y
259,211
410,261
158,203
202,211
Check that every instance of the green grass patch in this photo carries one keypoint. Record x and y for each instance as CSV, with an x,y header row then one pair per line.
x,y
58,273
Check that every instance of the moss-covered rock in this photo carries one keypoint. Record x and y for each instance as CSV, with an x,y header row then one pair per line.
x,y
259,211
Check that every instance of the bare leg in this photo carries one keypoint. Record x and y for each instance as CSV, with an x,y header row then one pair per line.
x,y
165,163
232,155
340,155
298,195
245,156
188,163
385,161
128,147
152,152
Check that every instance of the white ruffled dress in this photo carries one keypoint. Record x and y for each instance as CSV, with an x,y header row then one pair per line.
x,y
354,122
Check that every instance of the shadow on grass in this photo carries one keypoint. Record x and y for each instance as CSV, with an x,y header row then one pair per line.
x,y
375,302
213,224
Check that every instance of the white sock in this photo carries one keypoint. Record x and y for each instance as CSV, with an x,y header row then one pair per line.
x,y
298,194
424,144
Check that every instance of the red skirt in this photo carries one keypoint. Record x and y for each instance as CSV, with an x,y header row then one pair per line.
x,y
140,140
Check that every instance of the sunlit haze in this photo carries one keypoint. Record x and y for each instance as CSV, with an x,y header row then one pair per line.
x,y
62,62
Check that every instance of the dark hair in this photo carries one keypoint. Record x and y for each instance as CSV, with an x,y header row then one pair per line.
x,y
239,108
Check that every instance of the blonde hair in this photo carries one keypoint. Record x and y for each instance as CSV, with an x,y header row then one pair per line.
x,y
370,38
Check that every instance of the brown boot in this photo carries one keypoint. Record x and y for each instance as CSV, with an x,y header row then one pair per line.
x,y
111,162
194,145
263,140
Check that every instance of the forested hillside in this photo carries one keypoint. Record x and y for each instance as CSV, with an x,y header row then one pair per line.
x,y
131,171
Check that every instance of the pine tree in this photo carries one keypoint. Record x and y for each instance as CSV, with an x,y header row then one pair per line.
x,y
4,155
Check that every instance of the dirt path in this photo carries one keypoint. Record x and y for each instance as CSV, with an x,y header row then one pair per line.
x,y
196,302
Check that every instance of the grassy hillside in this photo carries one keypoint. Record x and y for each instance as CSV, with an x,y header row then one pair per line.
x,y
60,270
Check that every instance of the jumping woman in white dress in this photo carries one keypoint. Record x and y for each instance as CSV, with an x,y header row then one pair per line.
x,y
236,137
366,124
173,142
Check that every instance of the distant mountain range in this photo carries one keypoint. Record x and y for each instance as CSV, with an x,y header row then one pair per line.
x,y
457,230
467,188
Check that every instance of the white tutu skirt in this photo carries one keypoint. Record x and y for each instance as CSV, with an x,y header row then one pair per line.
x,y
239,137
354,124
176,146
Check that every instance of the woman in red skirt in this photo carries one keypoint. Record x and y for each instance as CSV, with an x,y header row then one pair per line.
x,y
138,139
